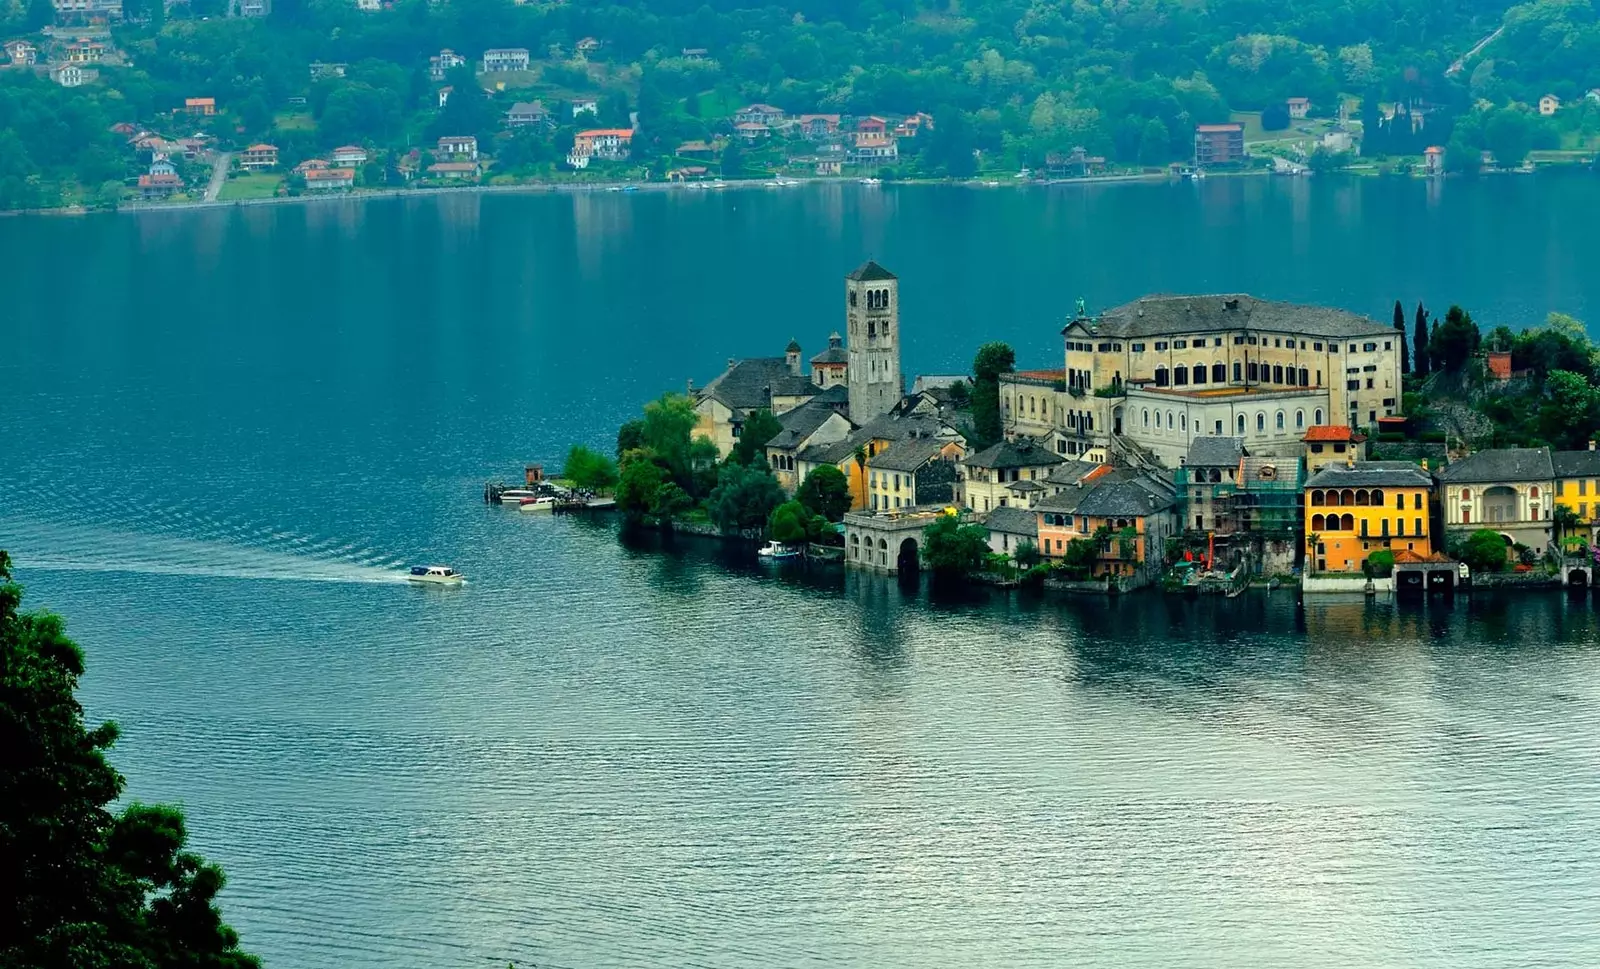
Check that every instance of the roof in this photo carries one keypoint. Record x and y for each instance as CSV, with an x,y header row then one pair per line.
x,y
528,107
837,355
751,384
800,423
453,167
330,175
1265,470
693,146
262,148
1500,464
793,347
1299,100
1012,454
199,102
1433,150
870,271
763,108
1072,472
751,126
1132,498
604,132
1332,432
908,455
1215,452
1160,315
147,181
1576,464
455,138
1371,474
1406,556
1230,126
349,148
819,117
1024,486
1013,521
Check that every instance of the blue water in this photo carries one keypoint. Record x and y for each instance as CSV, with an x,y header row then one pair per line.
x,y
221,446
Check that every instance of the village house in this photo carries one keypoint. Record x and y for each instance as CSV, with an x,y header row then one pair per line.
x,y
1009,529
1360,507
589,106
456,170
330,180
259,158
688,173
1433,160
458,148
200,107
349,156
444,95
369,6
1136,511
913,471
194,146
71,75
504,59
751,131
529,113
1056,512
88,11
254,8
1333,444
310,165
818,127
1008,474
775,384
1299,108
1549,105
1577,476
825,167
872,143
159,185
1207,483
1509,490
325,71
587,46
21,53
761,114
446,61
820,421
911,125
693,53
606,144
1219,144
694,149
162,165
85,52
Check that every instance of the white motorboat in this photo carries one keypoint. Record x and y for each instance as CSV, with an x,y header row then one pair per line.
x,y
537,504
780,550
868,181
516,496
435,575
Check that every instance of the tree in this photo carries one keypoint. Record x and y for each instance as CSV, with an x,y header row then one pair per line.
x,y
630,437
669,422
1026,554
1155,144
744,498
732,160
992,360
639,484
791,522
825,492
759,428
1400,325
951,144
1275,116
589,469
1419,341
1454,343
41,14
1378,565
954,548
1568,416
1081,556
1565,521
671,503
1484,551
83,886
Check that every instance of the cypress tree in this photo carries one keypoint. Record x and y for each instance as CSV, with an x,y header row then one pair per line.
x,y
1419,352
1405,351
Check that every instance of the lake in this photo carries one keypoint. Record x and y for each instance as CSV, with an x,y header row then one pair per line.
x,y
224,431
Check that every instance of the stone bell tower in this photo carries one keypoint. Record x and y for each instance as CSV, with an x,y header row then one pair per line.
x,y
872,311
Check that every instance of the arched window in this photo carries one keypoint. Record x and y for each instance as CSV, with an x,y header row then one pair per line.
x,y
1072,420
1238,370
1305,377
1347,497
1180,375
1299,419
1219,373
1318,523
1316,416
1241,421
1533,492
1277,374
1161,377
1199,373
1466,494
1377,498
1255,372
1183,422
1261,422
1347,523
1280,420
1031,402
1316,498
1158,420
1331,498
1362,498
1146,416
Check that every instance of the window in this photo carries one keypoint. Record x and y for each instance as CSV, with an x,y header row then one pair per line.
x,y
1105,348
1250,340
1161,345
1583,509
1319,378
1158,420
1238,371
1352,385
1369,387
1199,373
1299,419
1170,425
1288,344
1399,527
1254,372
1388,345
1180,344
1370,368
1162,377
1388,402
1317,347
1183,422
1261,422
1277,374
897,482
1416,500
1219,428
1583,486
1277,342
1533,493
1180,375
1316,449
1280,420
1369,347
1305,377
1200,343
1417,526
1241,425
1219,373
1363,528
1238,340
1352,348
1316,415
1146,417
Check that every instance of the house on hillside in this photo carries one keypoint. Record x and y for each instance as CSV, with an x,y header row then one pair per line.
x,y
85,52
455,171
1549,105
694,53
818,127
443,62
873,143
1299,107
330,180
1219,144
503,59
589,106
326,70
159,186
458,147
751,131
200,107
21,53
1433,160
71,75
258,158
605,144
349,156
762,114
529,113
1508,490
912,125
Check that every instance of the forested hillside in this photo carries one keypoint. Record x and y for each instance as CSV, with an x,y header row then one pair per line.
x,y
1011,78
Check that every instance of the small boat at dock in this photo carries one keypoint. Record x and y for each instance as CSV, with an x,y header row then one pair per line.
x,y
516,496
780,550
537,504
435,575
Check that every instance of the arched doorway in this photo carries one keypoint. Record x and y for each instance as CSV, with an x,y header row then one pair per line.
x,y
1116,421
1578,578
910,559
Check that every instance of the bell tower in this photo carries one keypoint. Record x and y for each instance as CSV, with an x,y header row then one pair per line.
x,y
872,313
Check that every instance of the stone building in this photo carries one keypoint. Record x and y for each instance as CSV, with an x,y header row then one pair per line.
x,y
1508,490
872,314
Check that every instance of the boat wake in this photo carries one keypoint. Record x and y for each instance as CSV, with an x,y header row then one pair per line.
x,y
91,548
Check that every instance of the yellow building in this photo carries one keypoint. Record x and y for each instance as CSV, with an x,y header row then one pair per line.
x,y
1355,509
1011,474
913,471
1333,444
1578,486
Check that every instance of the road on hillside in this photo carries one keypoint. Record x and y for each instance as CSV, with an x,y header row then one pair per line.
x,y
219,175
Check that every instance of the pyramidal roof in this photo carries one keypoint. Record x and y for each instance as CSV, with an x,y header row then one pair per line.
x,y
870,271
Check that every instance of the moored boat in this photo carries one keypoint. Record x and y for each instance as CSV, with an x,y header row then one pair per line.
x,y
516,496
538,504
780,550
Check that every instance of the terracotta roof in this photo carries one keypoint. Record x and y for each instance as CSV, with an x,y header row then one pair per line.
x,y
1060,374
262,148
1406,556
602,132
330,175
1333,432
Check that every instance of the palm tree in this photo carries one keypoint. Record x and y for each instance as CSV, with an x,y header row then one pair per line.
x,y
1565,519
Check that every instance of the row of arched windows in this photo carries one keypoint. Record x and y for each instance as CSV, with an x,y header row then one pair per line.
x,y
1333,523
1358,496
1181,376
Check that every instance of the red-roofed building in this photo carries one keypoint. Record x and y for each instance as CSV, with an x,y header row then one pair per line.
x,y
1333,444
1433,160
330,179
159,186
200,107
1499,362
1219,144
606,144
259,158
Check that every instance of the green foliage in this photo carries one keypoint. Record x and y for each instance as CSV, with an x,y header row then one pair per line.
x,y
1275,116
1080,557
630,437
1571,410
992,360
961,393
792,522
744,498
667,429
1026,554
825,492
1405,347
639,484
759,428
589,469
671,503
1419,343
1454,341
84,886
954,548
732,162
1484,551
1378,565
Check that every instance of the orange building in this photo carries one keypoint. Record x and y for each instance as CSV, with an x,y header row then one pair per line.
x,y
1355,509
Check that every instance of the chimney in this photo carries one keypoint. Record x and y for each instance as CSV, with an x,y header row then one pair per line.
x,y
730,363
